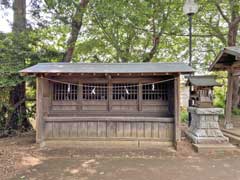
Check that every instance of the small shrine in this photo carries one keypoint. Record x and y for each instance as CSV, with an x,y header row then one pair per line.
x,y
204,128
201,94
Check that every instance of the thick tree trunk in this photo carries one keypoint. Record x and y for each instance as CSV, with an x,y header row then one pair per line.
x,y
19,21
17,93
17,115
76,27
235,97
232,38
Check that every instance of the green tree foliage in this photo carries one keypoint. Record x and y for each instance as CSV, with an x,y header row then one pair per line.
x,y
129,30
116,31
29,47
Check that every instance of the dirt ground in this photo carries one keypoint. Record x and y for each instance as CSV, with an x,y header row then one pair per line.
x,y
21,158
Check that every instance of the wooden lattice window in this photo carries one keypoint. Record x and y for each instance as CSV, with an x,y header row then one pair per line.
x,y
204,92
125,91
95,91
64,92
156,91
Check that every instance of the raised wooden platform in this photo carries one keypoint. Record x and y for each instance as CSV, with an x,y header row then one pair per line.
x,y
107,127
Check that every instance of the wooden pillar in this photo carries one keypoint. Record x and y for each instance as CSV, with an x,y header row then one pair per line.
x,y
80,96
177,130
50,96
39,111
140,96
228,109
109,90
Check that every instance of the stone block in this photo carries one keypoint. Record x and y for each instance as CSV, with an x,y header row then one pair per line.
x,y
206,148
209,111
204,126
199,133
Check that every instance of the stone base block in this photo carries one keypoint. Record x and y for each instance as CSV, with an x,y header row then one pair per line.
x,y
207,139
204,127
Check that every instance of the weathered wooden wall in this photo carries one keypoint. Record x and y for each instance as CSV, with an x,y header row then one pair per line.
x,y
43,106
107,119
117,128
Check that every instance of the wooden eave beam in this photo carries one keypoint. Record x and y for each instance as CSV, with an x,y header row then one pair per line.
x,y
215,61
23,74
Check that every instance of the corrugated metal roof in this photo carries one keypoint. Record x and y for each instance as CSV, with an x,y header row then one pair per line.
x,y
202,81
226,58
108,68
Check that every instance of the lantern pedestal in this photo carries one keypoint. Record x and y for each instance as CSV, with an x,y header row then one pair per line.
x,y
204,127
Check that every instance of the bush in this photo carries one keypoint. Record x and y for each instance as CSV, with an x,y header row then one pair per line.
x,y
184,115
4,106
219,100
236,111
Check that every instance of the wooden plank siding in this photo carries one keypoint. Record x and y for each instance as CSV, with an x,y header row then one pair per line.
x,y
110,129
43,107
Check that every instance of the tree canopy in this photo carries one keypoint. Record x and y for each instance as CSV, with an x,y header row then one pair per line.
x,y
115,31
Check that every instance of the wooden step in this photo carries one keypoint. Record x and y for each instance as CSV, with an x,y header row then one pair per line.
x,y
81,143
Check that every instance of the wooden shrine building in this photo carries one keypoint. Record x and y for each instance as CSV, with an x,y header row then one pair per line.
x,y
228,60
137,102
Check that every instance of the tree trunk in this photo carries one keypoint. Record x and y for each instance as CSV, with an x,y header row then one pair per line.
x,y
19,10
17,93
235,97
76,27
232,36
149,56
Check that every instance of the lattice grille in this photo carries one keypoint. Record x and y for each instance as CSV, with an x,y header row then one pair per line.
x,y
155,91
95,91
64,92
125,91
204,92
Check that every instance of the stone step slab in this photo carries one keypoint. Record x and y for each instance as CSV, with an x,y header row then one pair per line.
x,y
232,132
232,138
206,148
